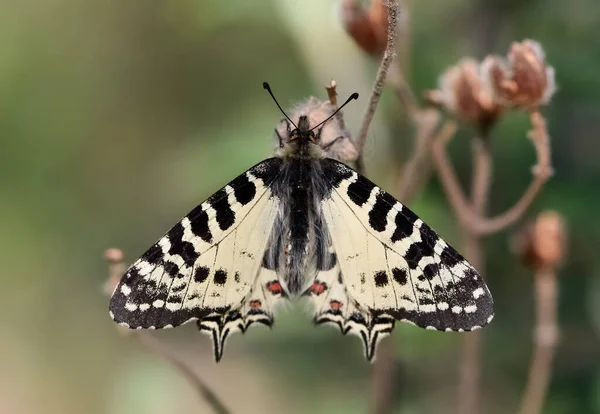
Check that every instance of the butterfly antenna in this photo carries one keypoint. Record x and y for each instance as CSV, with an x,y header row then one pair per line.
x,y
352,97
268,88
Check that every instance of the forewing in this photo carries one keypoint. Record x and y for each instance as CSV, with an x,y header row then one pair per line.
x,y
393,263
208,262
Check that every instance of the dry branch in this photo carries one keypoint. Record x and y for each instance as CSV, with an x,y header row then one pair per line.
x,y
472,218
469,389
541,246
386,61
464,211
545,341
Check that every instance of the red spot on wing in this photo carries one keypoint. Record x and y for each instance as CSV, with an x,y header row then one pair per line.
x,y
335,305
274,287
318,287
255,304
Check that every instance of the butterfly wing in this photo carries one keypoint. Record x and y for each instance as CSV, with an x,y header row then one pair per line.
x,y
392,264
207,266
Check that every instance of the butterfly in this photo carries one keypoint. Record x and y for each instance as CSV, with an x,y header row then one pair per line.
x,y
302,224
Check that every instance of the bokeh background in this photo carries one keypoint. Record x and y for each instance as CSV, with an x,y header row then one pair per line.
x,y
116,118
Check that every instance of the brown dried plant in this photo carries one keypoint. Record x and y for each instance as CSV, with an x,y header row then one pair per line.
x,y
531,84
541,245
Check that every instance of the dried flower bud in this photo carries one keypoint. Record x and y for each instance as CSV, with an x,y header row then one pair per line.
x,y
317,111
461,92
113,255
523,79
542,244
368,28
116,268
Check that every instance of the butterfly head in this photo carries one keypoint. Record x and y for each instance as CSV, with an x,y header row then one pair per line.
x,y
303,131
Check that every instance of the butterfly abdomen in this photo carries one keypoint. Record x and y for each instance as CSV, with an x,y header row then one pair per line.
x,y
299,216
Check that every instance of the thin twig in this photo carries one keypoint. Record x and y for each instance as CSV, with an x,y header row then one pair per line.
x,y
417,169
332,93
203,390
545,341
464,212
383,378
116,268
332,96
388,57
469,373
482,174
404,93
470,360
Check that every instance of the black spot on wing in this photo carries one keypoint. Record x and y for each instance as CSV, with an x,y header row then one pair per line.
x,y
405,223
431,270
360,190
223,212
153,255
381,208
199,224
133,276
220,277
451,257
334,172
171,268
400,275
267,170
440,294
424,300
428,234
201,273
358,318
325,261
177,299
381,278
415,253
179,288
186,251
243,189
409,215
181,247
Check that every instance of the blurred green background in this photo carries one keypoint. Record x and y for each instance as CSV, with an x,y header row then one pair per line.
x,y
116,118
